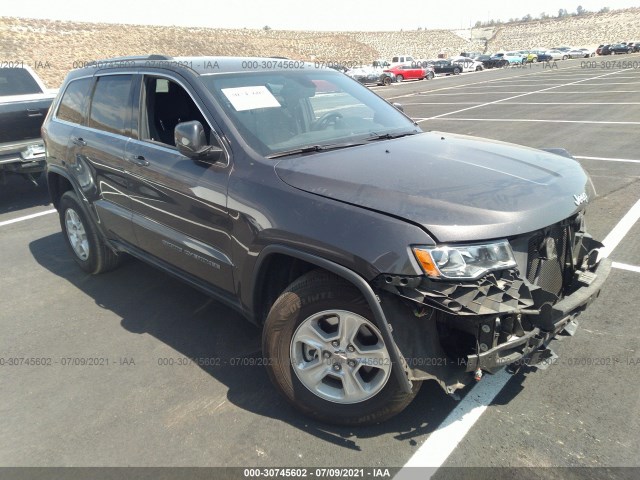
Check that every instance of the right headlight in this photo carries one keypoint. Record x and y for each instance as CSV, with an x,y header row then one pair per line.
x,y
465,262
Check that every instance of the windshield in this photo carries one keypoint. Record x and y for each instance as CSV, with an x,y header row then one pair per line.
x,y
283,111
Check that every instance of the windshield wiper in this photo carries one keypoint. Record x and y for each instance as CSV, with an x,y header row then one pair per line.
x,y
312,148
388,136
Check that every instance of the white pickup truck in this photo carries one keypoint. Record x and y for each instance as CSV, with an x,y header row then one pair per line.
x,y
24,103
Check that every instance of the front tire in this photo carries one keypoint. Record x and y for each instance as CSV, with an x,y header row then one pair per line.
x,y
399,78
87,248
326,356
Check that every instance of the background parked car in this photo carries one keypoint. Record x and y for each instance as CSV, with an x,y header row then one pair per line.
x,y
445,67
400,59
575,53
588,52
604,49
515,58
467,64
619,48
543,55
529,56
372,75
409,72
491,62
557,54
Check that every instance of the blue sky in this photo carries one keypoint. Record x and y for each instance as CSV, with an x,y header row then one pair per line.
x,y
297,14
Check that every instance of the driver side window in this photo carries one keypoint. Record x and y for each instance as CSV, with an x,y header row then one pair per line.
x,y
165,104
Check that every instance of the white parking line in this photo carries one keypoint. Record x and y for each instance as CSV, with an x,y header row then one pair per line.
x,y
27,217
442,442
513,91
524,94
433,453
612,240
520,104
571,103
607,159
492,80
625,266
598,122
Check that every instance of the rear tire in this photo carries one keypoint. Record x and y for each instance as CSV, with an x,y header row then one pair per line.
x,y
320,344
80,234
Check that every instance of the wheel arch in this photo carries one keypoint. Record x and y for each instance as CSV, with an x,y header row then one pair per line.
x,y
291,258
58,182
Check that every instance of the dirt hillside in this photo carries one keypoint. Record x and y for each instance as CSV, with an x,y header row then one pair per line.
x,y
55,47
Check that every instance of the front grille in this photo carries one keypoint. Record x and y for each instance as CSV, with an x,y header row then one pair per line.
x,y
547,258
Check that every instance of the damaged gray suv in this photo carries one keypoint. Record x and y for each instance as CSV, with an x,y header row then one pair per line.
x,y
374,255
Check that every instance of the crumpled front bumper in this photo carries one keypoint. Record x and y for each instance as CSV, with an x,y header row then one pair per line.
x,y
448,330
531,346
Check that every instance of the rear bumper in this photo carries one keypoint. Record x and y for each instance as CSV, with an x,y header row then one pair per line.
x,y
526,346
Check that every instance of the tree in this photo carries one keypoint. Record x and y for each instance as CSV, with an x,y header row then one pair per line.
x,y
544,15
527,18
562,13
478,24
266,28
580,10
604,10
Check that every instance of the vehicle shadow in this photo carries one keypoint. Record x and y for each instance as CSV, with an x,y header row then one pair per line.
x,y
18,193
198,327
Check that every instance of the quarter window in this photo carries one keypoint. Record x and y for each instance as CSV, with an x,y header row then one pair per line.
x,y
110,103
71,107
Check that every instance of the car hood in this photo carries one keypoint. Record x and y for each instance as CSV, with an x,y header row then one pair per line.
x,y
458,188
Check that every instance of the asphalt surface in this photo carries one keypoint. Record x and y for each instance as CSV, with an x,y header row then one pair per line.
x,y
138,405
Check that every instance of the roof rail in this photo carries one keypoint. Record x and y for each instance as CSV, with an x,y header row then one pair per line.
x,y
130,57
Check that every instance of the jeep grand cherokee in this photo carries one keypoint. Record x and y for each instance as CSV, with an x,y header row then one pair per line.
x,y
373,254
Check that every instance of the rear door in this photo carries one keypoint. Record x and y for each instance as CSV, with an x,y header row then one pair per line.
x,y
97,153
179,205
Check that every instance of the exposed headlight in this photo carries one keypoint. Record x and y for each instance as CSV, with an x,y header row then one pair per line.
x,y
466,262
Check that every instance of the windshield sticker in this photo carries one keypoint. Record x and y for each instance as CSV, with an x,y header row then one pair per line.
x,y
250,98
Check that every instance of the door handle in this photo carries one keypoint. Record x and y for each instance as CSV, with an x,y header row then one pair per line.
x,y
31,112
79,141
138,160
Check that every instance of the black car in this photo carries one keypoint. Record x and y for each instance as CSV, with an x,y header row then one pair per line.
x,y
445,67
372,254
619,48
492,62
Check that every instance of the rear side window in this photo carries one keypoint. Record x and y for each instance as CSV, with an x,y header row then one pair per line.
x,y
71,107
110,103
17,81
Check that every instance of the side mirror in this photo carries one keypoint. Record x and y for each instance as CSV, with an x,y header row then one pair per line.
x,y
398,106
192,142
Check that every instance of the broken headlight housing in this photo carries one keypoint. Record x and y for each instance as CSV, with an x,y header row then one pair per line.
x,y
464,262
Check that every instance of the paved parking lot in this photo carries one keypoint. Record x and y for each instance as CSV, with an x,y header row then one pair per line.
x,y
142,403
